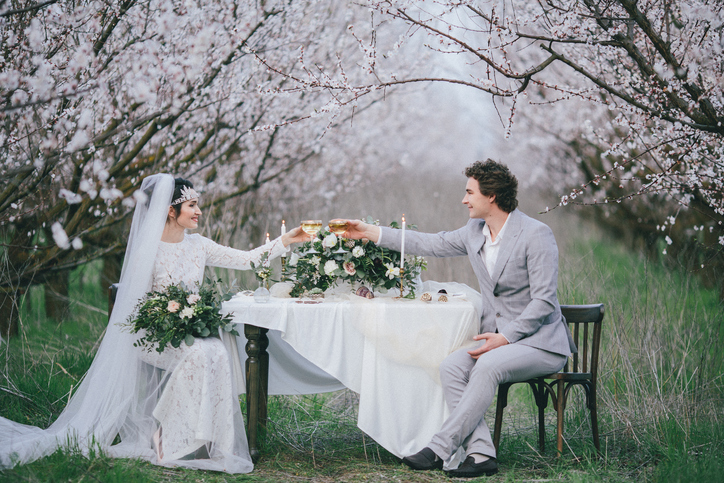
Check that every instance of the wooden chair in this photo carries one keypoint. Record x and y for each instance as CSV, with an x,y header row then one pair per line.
x,y
585,324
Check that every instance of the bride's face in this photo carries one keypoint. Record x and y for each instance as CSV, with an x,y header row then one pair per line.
x,y
188,216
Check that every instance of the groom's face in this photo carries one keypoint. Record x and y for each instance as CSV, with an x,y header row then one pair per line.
x,y
479,205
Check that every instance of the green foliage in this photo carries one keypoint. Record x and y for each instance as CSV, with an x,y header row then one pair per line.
x,y
695,453
177,315
660,398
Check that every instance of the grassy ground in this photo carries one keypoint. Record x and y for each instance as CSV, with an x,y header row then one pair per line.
x,y
661,395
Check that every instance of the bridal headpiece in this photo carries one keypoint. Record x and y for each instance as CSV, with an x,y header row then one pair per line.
x,y
187,193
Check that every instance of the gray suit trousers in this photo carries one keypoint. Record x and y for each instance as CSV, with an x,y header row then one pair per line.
x,y
469,387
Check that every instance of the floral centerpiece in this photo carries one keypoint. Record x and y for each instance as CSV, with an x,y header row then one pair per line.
x,y
354,261
178,315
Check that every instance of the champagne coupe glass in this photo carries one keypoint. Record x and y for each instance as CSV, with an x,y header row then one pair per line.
x,y
338,227
312,227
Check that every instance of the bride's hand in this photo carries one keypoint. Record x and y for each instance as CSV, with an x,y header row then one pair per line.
x,y
358,229
295,235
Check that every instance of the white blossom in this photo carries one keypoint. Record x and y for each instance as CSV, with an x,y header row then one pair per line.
x,y
59,235
70,197
392,271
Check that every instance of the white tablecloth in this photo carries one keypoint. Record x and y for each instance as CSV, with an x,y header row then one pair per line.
x,y
387,350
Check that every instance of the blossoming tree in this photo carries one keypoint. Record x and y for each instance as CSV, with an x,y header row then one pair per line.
x,y
634,90
96,95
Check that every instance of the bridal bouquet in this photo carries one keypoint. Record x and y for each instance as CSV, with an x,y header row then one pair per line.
x,y
355,261
179,315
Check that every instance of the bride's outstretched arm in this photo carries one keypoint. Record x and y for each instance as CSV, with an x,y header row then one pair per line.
x,y
227,257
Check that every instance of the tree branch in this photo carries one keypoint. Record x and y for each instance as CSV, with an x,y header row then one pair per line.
x,y
37,6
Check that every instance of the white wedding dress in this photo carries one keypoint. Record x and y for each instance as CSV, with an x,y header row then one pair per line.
x,y
190,392
197,404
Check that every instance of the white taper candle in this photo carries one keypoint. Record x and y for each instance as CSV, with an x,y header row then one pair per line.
x,y
402,252
284,230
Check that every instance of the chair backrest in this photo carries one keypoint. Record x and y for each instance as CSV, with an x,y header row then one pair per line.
x,y
585,324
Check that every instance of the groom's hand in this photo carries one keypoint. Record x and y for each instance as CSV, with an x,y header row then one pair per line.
x,y
492,341
358,229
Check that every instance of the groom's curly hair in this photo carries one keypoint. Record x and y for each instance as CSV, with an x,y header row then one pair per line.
x,y
495,179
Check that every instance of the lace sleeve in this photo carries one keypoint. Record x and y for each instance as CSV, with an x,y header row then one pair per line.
x,y
227,257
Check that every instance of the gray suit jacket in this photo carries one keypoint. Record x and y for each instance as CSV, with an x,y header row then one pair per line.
x,y
519,300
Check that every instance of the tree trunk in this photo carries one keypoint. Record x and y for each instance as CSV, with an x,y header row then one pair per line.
x,y
57,303
9,311
111,273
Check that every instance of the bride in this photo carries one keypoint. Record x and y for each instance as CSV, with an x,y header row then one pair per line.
x,y
174,408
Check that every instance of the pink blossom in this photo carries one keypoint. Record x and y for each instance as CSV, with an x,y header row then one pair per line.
x,y
173,306
193,298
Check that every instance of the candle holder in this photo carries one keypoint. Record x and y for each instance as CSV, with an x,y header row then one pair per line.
x,y
284,265
402,273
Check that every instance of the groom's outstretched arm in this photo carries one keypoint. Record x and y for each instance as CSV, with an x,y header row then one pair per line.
x,y
443,244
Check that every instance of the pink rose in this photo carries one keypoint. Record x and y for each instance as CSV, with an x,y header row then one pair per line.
x,y
349,268
193,298
173,306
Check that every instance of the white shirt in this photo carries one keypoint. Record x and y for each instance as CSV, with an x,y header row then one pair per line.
x,y
491,248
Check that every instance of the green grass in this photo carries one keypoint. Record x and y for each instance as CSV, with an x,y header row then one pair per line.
x,y
661,395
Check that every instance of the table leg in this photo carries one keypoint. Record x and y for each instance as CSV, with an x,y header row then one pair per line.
x,y
257,384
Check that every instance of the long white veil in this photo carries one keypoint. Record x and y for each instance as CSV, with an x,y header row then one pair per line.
x,y
119,391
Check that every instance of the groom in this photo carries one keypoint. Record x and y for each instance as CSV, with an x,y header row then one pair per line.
x,y
523,334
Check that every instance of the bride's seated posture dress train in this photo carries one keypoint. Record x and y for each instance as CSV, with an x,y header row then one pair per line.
x,y
179,407
197,403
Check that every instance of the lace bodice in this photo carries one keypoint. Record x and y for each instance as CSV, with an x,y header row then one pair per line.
x,y
185,261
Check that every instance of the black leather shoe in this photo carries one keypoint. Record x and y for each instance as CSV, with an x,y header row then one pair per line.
x,y
425,459
470,469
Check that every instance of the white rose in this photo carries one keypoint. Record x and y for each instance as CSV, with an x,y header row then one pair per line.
x,y
293,259
193,298
187,313
358,252
330,267
315,261
329,240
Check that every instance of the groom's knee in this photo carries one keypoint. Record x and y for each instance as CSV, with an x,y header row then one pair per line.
x,y
455,367
487,371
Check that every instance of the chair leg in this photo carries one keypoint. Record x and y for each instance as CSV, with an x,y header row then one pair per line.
x,y
560,408
502,402
594,419
541,397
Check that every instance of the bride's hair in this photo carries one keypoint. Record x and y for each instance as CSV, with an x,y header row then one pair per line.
x,y
179,184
